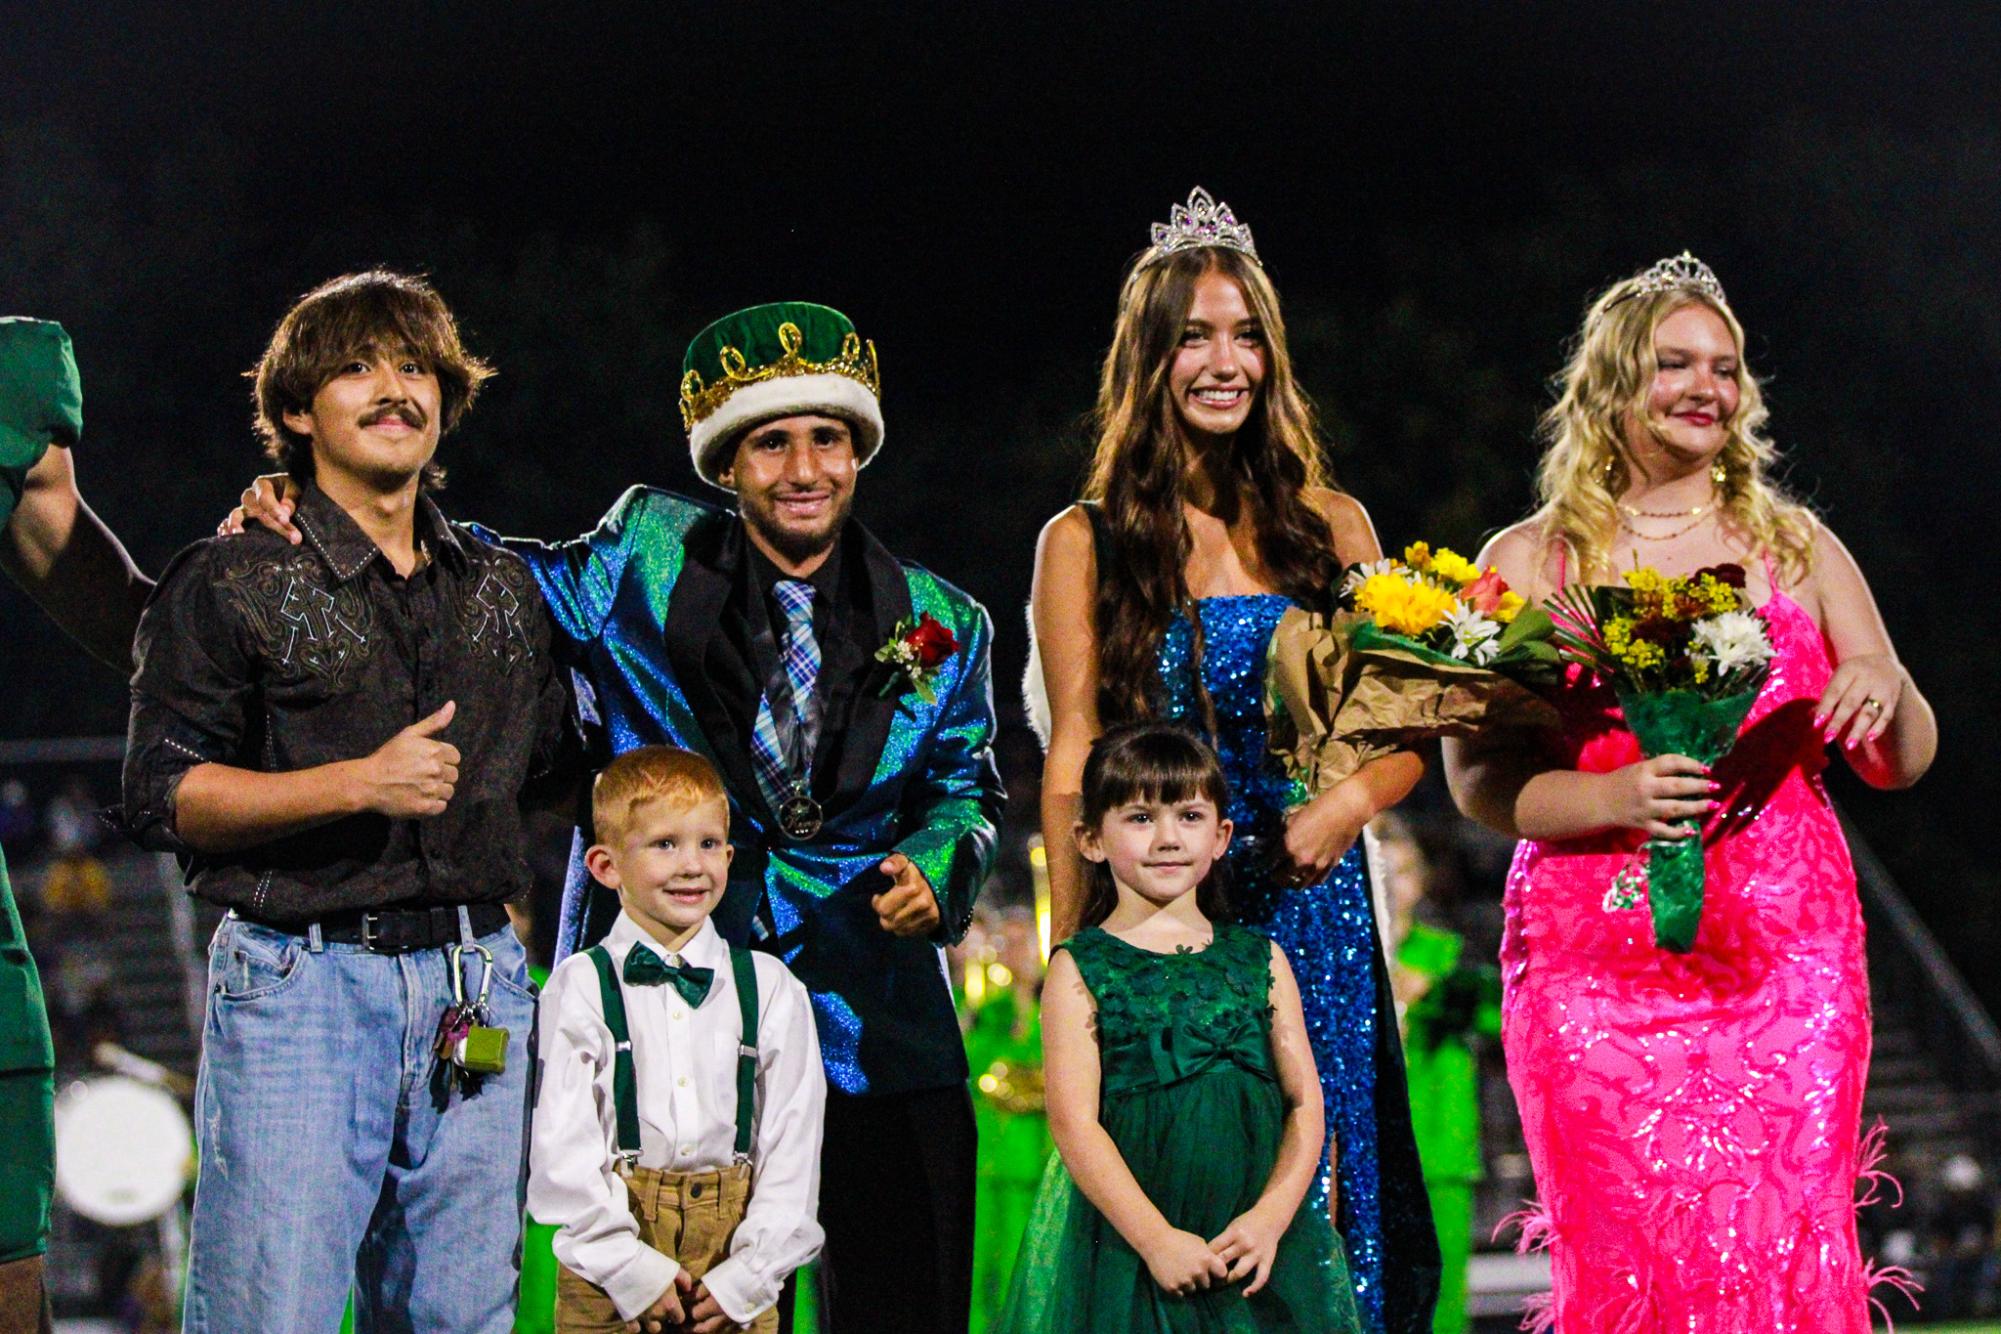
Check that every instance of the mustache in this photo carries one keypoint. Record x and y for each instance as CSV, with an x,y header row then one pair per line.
x,y
411,414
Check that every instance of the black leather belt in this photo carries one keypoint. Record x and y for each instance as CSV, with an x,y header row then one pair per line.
x,y
401,930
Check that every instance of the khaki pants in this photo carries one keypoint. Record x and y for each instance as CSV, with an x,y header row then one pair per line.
x,y
687,1215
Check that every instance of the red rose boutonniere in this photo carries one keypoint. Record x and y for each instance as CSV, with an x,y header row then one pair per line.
x,y
914,652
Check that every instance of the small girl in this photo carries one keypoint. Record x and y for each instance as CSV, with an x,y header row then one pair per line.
x,y
1181,1090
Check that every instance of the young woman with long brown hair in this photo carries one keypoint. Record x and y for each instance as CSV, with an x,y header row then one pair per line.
x,y
1207,516
1693,1119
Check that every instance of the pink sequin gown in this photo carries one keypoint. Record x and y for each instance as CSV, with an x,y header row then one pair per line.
x,y
1693,1120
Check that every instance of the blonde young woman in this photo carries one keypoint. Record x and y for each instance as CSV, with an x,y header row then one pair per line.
x,y
1693,1120
1205,518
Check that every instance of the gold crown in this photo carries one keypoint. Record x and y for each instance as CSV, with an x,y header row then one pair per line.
x,y
856,361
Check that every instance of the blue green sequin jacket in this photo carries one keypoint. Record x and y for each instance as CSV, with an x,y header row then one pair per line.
x,y
636,601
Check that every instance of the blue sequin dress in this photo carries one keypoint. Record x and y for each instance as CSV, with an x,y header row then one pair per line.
x,y
1328,933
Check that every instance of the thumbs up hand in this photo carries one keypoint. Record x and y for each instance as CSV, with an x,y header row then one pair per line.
x,y
414,774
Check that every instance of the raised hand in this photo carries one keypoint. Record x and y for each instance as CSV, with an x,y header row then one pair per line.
x,y
908,907
1183,1264
1651,794
413,775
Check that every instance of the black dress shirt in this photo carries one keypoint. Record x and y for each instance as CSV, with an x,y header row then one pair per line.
x,y
261,655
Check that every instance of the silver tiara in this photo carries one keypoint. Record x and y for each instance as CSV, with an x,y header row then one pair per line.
x,y
1200,222
1684,270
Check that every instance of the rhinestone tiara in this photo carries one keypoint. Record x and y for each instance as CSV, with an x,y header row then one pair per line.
x,y
1200,222
1684,270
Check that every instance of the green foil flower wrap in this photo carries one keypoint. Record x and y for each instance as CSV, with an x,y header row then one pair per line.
x,y
1681,722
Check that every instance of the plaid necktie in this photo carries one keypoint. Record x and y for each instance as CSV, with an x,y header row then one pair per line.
x,y
799,668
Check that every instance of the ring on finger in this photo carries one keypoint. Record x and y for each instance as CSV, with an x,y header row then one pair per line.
x,y
1873,704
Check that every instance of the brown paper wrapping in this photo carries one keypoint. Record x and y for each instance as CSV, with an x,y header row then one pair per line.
x,y
1331,708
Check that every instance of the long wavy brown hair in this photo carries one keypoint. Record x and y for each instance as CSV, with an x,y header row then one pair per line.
x,y
1139,474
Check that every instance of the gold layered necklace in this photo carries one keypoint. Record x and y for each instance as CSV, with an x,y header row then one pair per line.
x,y
1695,515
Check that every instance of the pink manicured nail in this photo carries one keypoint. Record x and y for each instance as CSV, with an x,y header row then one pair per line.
x,y
1873,735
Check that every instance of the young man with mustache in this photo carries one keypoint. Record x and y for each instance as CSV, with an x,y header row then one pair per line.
x,y
336,737
846,698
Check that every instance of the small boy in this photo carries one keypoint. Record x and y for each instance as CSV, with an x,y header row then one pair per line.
x,y
676,1142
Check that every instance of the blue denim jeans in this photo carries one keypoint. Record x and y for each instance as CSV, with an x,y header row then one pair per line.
x,y
336,1150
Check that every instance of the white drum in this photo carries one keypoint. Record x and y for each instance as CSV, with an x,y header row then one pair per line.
x,y
124,1150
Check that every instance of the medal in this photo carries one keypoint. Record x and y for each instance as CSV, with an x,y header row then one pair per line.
x,y
799,816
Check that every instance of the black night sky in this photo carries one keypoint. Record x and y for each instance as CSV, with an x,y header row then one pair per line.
x,y
1435,188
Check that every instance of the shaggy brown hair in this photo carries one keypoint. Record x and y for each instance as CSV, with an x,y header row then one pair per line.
x,y
359,315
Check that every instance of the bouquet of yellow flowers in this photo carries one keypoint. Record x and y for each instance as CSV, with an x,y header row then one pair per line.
x,y
1687,657
1425,646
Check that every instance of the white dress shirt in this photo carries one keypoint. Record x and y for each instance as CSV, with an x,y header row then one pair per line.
x,y
685,1064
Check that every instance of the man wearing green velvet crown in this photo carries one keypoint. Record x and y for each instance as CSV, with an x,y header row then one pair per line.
x,y
846,698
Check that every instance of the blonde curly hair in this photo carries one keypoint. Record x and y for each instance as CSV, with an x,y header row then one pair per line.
x,y
1584,467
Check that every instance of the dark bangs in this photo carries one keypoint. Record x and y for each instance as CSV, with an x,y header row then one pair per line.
x,y
1150,762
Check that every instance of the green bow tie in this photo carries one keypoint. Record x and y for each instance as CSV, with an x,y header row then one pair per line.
x,y
644,968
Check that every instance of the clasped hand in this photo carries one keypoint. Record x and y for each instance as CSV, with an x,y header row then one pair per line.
x,y
1184,1264
687,1307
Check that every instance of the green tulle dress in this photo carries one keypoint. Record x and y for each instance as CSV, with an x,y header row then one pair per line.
x,y
1190,1097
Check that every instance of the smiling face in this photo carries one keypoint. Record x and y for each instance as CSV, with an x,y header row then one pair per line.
x,y
795,483
1695,388
1159,850
375,422
1220,361
669,863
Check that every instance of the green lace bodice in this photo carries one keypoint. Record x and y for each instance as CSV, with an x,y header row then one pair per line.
x,y
1165,1018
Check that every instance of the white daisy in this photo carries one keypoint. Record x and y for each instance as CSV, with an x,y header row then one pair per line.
x,y
1474,636
1733,641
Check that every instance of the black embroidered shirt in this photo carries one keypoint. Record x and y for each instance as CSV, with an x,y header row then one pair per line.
x,y
262,655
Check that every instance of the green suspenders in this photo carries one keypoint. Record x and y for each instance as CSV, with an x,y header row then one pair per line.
x,y
624,1081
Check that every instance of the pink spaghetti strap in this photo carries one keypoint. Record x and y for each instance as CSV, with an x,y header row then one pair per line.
x,y
1771,575
1562,564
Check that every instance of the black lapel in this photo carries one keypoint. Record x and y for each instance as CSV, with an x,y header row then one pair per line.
x,y
887,595
713,552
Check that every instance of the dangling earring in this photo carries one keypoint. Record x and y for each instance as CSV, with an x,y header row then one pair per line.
x,y
1719,474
